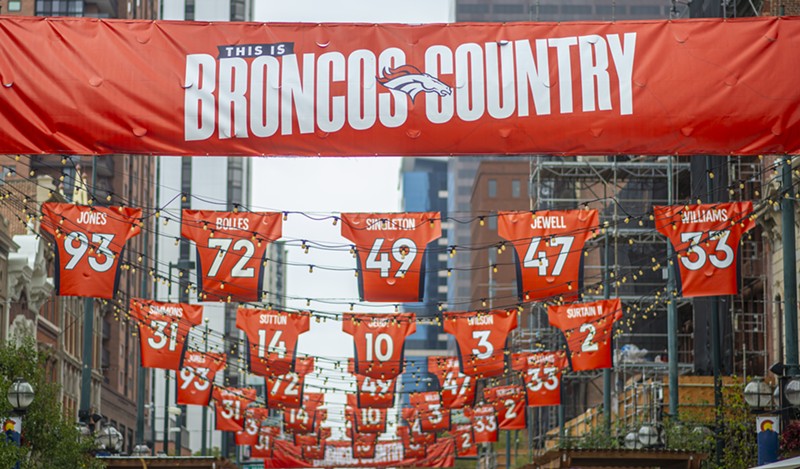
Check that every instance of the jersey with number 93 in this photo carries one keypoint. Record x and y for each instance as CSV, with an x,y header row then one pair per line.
x,y
549,250
541,372
379,341
163,328
271,338
389,248
587,328
706,238
89,244
231,250
481,340
196,377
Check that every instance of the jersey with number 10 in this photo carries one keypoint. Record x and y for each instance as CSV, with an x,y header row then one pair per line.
x,y
481,340
587,328
196,377
379,340
706,238
390,248
541,372
89,244
163,328
549,250
231,250
271,338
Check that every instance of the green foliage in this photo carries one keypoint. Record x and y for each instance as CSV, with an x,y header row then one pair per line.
x,y
49,440
738,434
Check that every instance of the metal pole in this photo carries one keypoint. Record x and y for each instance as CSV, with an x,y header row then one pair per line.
x,y
203,439
166,412
789,271
157,227
153,411
716,346
140,376
508,449
672,313
88,334
607,371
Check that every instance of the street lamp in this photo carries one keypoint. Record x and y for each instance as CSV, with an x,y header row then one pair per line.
x,y
758,394
792,392
20,395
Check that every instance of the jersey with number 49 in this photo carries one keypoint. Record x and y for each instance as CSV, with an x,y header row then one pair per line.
x,y
230,405
549,250
389,248
706,238
163,328
481,340
458,389
588,329
509,401
196,377
89,244
374,393
271,338
541,372
287,390
484,423
379,341
231,250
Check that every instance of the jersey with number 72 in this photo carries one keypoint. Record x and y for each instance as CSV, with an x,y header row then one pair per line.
x,y
588,329
231,249
706,238
481,340
549,250
89,243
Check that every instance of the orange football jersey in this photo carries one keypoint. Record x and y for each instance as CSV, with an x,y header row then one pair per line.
x,y
263,447
373,392
366,419
484,423
481,340
196,377
287,390
458,389
230,405
432,416
253,420
390,248
271,338
231,251
541,372
465,444
549,250
379,341
587,328
364,445
706,238
509,401
89,244
163,328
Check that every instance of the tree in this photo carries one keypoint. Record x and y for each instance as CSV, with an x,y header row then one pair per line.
x,y
49,440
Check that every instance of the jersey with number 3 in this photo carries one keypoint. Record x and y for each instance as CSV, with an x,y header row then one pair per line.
x,y
432,416
163,328
706,238
284,391
390,248
271,338
541,372
587,328
549,250
231,250
378,340
196,377
89,244
481,340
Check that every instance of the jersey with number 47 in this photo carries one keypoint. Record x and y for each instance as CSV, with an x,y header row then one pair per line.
x,y
706,238
588,329
89,244
378,340
163,328
481,340
458,389
549,250
196,377
541,372
271,338
231,250
284,391
389,248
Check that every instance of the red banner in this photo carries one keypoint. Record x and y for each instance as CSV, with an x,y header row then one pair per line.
x,y
340,454
90,86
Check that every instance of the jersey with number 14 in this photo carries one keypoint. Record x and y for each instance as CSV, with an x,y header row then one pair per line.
x,y
163,328
587,328
390,248
481,340
549,247
89,244
379,341
231,250
271,338
706,238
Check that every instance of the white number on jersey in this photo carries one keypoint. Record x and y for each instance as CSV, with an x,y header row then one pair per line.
x,y
404,251
102,241
243,246
538,260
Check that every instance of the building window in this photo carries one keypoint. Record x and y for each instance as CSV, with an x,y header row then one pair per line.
x,y
515,188
59,7
492,222
473,9
492,188
508,9
188,10
14,5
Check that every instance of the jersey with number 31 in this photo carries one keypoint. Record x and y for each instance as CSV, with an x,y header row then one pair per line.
x,y
549,247
89,244
163,328
231,250
588,329
706,238
389,248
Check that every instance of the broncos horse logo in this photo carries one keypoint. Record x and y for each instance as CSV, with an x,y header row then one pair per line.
x,y
410,80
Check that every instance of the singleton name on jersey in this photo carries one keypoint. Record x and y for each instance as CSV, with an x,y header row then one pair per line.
x,y
378,322
480,320
541,359
702,216
584,311
391,224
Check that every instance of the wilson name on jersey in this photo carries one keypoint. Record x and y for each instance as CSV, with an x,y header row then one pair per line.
x,y
481,340
163,328
588,329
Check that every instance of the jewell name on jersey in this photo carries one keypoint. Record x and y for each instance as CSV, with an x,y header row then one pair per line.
x,y
238,97
703,216
391,224
539,223
233,224
584,311
92,218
